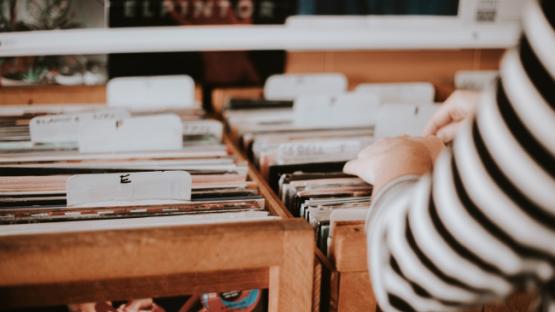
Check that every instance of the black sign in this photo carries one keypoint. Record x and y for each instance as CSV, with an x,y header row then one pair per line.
x,y
209,68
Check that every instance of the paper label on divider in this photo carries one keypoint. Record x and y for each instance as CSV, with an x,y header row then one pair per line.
x,y
203,127
475,80
336,149
289,86
344,110
65,127
400,119
148,93
128,188
148,133
409,92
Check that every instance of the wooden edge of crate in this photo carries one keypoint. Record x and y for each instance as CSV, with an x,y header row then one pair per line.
x,y
56,94
351,286
53,94
348,249
60,268
276,206
273,203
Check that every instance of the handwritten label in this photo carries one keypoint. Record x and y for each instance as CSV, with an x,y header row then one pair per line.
x,y
128,188
65,128
289,86
475,80
291,151
400,119
344,110
145,133
408,92
147,93
203,127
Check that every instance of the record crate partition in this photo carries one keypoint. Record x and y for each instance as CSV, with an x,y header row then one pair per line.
x,y
117,264
349,286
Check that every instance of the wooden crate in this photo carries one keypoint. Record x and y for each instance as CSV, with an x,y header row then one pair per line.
x,y
351,287
40,270
117,264
320,262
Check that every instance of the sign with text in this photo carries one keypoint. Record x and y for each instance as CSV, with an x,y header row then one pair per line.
x,y
64,128
128,188
148,133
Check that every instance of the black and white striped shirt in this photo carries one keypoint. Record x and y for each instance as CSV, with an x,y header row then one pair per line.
x,y
481,225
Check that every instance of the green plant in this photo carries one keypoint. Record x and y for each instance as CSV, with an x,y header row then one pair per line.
x,y
51,14
42,15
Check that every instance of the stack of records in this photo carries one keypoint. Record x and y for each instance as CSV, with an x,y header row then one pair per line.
x,y
305,128
278,138
63,165
317,197
302,162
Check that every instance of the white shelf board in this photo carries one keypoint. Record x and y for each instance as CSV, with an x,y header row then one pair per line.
x,y
256,37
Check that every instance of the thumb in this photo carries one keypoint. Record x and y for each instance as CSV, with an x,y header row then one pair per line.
x,y
363,168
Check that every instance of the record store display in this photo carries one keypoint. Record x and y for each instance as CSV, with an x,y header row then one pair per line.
x,y
190,155
305,128
34,176
40,156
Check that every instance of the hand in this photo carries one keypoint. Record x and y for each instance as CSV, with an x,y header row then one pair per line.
x,y
390,158
446,121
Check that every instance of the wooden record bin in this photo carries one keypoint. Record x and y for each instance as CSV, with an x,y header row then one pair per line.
x,y
351,282
119,264
350,286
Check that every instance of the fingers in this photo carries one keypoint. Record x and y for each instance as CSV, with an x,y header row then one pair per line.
x,y
457,107
447,133
440,118
447,114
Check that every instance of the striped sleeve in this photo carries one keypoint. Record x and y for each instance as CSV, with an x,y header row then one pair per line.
x,y
481,225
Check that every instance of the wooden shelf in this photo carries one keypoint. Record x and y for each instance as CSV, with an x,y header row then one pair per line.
x,y
378,34
62,95
116,264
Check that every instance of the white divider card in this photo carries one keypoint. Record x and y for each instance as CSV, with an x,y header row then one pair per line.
x,y
289,86
128,188
344,110
332,150
204,127
475,79
64,128
405,92
401,119
151,93
145,133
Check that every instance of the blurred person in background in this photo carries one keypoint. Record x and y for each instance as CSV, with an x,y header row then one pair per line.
x,y
478,223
